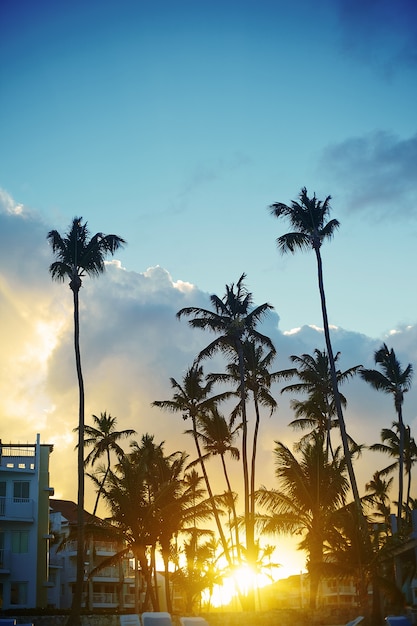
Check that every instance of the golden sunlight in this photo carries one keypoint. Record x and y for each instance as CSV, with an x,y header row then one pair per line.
x,y
244,579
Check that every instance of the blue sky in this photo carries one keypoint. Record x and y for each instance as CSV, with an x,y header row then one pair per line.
x,y
175,125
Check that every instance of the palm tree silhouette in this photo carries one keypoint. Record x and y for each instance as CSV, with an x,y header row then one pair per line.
x,y
310,492
394,380
234,320
308,218
103,438
258,381
318,410
193,400
78,255
217,437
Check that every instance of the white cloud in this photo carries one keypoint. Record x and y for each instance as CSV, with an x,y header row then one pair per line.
x,y
131,344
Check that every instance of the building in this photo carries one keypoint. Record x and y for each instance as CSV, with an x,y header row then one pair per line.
x,y
108,585
24,524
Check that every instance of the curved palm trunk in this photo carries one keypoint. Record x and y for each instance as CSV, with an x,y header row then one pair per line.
x,y
232,500
338,404
75,616
100,490
210,492
253,462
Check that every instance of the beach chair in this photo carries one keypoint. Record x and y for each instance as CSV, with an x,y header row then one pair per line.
x,y
7,621
193,621
156,618
129,620
397,620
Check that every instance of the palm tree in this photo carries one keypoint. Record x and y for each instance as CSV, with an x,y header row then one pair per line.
x,y
258,381
377,495
234,320
310,492
314,379
395,381
391,446
308,218
193,400
78,255
103,438
217,437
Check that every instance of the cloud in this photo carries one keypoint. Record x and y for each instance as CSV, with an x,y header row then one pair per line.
x,y
131,344
376,173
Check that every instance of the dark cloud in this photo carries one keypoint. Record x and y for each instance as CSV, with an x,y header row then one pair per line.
x,y
376,173
380,32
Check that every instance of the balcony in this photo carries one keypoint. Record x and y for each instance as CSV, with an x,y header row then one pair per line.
x,y
5,561
110,573
16,509
106,548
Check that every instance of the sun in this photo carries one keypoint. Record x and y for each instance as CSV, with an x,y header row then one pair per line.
x,y
243,580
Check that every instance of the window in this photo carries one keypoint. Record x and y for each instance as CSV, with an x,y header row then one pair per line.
x,y
21,490
20,541
18,593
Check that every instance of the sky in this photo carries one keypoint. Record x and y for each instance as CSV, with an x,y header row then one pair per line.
x,y
175,125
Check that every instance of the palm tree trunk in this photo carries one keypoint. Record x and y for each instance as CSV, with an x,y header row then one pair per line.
x,y
75,616
100,490
232,501
333,374
253,464
210,492
165,557
249,522
400,464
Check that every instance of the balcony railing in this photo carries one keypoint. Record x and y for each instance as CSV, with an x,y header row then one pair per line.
x,y
16,508
105,598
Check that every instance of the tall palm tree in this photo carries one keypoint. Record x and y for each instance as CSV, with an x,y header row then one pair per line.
x,y
310,492
314,380
234,319
309,221
193,399
103,438
394,380
78,255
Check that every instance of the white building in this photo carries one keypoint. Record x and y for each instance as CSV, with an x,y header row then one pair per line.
x,y
24,524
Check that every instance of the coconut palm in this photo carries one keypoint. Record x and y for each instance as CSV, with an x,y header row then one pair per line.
x,y
233,319
309,220
394,380
103,438
310,492
217,437
390,445
318,410
78,255
258,381
193,400
377,495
